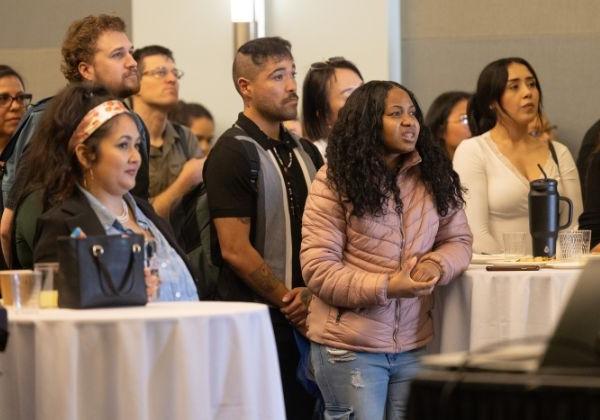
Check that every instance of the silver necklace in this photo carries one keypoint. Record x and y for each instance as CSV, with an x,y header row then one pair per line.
x,y
123,217
284,166
290,191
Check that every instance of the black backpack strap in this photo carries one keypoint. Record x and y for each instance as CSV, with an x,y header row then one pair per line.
x,y
251,152
254,161
181,133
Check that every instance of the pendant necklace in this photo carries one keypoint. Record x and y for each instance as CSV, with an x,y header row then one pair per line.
x,y
290,192
284,166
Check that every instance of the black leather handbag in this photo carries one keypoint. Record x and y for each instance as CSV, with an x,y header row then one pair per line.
x,y
101,271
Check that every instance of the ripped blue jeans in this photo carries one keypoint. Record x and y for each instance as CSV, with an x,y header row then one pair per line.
x,y
364,386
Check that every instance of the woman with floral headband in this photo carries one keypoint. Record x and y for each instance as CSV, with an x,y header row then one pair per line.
x,y
86,156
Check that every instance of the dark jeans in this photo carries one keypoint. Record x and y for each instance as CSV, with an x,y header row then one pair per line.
x,y
298,403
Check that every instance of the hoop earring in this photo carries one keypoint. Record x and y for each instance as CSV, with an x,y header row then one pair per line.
x,y
85,178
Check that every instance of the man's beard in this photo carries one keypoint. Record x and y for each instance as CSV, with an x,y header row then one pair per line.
x,y
124,89
278,113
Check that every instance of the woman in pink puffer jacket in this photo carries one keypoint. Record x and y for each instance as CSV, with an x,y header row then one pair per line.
x,y
383,225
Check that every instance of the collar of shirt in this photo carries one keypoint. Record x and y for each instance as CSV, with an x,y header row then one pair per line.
x,y
265,141
170,136
107,219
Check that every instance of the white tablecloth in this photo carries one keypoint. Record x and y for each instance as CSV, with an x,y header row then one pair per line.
x,y
481,307
207,360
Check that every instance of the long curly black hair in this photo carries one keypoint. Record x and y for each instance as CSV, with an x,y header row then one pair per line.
x,y
355,156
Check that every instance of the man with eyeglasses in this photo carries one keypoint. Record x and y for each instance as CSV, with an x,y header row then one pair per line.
x,y
95,49
175,159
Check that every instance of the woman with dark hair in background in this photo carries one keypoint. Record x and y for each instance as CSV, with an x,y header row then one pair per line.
x,y
383,224
13,102
88,144
590,218
587,150
326,87
497,165
199,120
447,119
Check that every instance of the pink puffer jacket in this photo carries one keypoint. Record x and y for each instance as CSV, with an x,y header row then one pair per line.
x,y
346,262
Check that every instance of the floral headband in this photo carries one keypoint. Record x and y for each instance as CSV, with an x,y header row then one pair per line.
x,y
94,119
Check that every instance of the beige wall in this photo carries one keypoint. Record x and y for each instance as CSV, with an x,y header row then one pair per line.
x,y
446,44
31,35
355,29
201,37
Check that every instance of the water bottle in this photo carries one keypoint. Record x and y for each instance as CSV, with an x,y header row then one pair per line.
x,y
543,215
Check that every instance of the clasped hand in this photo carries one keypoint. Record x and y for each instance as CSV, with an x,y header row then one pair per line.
x,y
414,279
295,306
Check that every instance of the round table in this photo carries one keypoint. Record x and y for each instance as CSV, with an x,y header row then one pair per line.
x,y
483,308
192,360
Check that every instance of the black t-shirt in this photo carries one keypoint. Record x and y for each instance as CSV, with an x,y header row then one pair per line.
x,y
230,191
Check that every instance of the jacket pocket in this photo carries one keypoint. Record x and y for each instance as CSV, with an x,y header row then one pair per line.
x,y
339,314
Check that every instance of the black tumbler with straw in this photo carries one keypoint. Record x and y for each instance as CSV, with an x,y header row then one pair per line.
x,y
543,215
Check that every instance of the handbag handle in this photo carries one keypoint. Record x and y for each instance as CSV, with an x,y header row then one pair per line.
x,y
97,252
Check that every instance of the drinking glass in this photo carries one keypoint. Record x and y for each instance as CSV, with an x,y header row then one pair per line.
x,y
586,240
20,288
570,244
514,244
49,283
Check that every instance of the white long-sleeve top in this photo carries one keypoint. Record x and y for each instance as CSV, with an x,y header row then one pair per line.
x,y
497,196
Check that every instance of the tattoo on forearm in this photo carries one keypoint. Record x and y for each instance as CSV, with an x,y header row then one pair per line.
x,y
244,220
264,280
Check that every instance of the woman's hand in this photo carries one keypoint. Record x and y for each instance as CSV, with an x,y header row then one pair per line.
x,y
152,283
426,271
402,285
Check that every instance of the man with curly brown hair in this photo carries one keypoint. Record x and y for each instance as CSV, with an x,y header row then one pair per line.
x,y
95,49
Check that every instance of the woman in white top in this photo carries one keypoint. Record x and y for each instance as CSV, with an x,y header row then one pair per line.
x,y
497,165
326,87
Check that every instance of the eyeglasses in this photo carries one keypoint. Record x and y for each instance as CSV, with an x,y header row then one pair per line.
x,y
23,99
332,61
162,72
462,119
